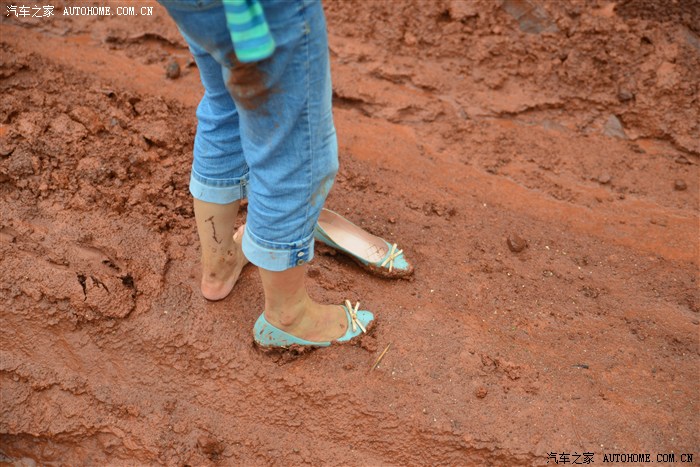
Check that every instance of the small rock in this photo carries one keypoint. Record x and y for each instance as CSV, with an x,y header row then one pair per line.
x,y
604,178
680,185
516,243
172,71
481,392
613,127
625,95
683,160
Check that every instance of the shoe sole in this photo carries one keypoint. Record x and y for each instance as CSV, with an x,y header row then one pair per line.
x,y
297,350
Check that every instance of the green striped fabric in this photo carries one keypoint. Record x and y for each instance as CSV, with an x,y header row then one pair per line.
x,y
252,40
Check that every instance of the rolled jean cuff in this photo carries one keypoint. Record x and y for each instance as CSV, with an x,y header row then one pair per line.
x,y
277,256
218,191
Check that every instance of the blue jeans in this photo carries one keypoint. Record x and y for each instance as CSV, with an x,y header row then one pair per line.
x,y
265,130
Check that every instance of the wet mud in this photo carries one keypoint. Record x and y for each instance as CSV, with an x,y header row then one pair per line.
x,y
537,161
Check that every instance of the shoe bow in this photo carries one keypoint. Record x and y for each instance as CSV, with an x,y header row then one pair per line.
x,y
353,316
393,254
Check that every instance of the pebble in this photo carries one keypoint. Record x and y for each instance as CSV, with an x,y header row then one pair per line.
x,y
516,243
625,95
604,178
683,160
680,185
481,392
613,127
172,71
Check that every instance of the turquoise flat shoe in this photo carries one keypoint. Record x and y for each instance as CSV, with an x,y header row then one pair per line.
x,y
371,252
269,337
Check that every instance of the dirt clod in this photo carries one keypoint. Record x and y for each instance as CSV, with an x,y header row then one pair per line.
x,y
172,70
680,185
211,446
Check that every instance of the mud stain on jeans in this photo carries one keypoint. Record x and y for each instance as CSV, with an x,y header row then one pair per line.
x,y
247,84
318,198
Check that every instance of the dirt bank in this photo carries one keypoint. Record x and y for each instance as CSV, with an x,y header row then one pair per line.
x,y
467,130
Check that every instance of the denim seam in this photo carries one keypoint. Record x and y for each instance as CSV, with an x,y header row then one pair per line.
x,y
287,246
214,183
311,152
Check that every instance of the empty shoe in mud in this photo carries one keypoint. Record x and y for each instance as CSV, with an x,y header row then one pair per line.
x,y
371,252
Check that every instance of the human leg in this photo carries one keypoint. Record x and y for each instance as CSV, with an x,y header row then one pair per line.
x,y
290,145
219,172
289,307
221,254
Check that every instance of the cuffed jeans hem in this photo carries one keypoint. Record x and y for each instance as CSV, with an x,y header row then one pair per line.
x,y
277,256
218,191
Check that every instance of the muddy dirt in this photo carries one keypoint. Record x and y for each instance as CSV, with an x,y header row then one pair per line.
x,y
537,161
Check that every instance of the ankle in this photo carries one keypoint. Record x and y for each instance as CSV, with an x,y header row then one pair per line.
x,y
287,314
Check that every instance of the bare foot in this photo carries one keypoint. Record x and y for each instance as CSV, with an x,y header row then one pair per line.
x,y
218,281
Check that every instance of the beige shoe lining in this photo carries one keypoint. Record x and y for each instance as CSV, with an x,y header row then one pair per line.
x,y
355,240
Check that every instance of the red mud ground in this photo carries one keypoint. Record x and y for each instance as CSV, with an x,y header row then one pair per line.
x,y
571,124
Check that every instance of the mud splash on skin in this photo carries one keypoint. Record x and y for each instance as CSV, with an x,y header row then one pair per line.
x,y
213,230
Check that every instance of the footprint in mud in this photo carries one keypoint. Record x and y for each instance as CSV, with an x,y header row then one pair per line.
x,y
75,288
108,290
96,258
